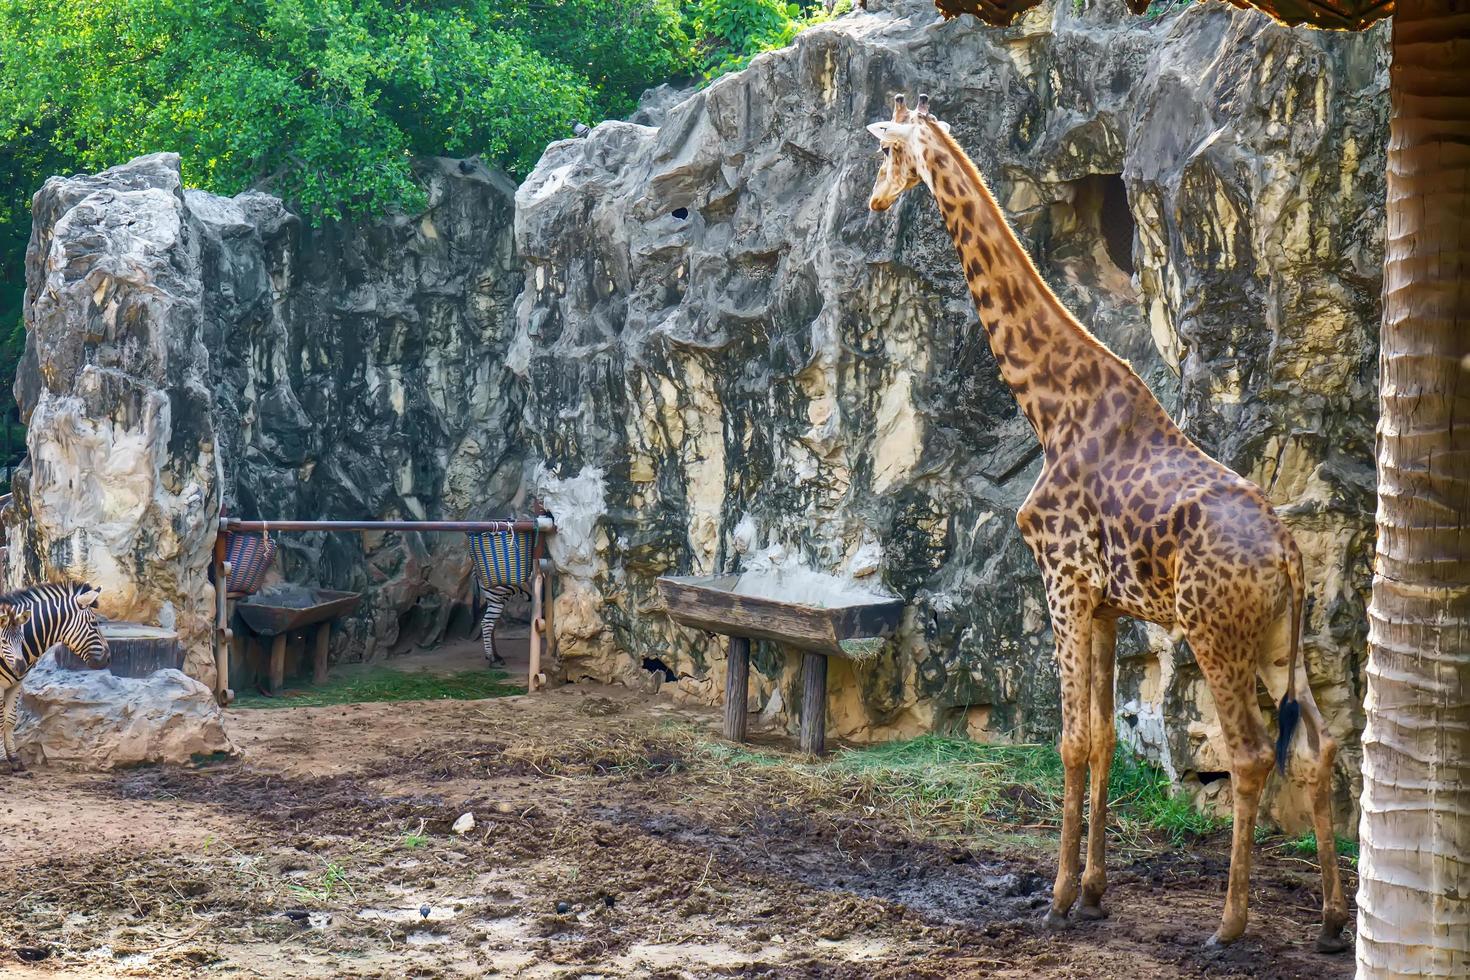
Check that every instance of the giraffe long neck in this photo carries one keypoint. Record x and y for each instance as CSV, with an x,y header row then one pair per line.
x,y
1055,367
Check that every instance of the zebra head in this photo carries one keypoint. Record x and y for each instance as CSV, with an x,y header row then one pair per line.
x,y
12,633
79,629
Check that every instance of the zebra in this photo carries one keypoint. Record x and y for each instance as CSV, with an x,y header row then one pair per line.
x,y
496,596
34,620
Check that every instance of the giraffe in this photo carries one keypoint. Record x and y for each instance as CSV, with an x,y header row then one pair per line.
x,y
1129,518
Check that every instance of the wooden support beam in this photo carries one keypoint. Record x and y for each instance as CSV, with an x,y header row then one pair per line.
x,y
814,703
319,659
278,664
545,525
737,688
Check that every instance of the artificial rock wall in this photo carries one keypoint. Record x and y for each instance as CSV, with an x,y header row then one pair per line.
x,y
709,356
731,363
185,349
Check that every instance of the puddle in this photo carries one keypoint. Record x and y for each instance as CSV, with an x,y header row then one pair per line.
x,y
673,955
414,913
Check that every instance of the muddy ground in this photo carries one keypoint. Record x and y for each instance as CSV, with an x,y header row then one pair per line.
x,y
602,847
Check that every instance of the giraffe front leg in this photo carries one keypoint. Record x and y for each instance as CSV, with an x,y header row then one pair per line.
x,y
1072,625
11,755
1100,762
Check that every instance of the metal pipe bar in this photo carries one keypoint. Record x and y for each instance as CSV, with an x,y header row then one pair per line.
x,y
235,524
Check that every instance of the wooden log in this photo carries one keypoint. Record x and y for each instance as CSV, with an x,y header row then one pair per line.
x,y
319,659
712,604
278,664
737,688
136,650
814,703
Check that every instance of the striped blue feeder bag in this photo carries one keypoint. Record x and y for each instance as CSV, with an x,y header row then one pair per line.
x,y
503,557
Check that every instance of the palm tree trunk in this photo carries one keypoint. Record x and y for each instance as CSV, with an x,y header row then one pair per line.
x,y
1414,891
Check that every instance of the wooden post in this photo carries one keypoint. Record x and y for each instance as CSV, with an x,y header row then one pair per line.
x,y
278,664
534,678
222,634
814,703
737,688
239,652
548,603
323,644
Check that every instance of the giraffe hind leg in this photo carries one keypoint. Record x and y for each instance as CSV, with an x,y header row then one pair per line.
x,y
1310,761
1225,650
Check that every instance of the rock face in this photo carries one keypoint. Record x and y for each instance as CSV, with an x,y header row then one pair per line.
x,y
720,361
94,720
186,350
731,363
122,485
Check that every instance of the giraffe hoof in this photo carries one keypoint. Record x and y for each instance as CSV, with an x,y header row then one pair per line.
x,y
1220,940
1055,920
1091,913
1332,941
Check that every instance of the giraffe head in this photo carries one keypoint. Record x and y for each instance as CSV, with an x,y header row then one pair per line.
x,y
904,141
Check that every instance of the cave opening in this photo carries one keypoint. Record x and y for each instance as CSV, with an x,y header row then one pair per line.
x,y
1101,204
656,666
1098,221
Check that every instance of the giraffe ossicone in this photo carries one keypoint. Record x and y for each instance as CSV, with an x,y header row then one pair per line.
x,y
1128,517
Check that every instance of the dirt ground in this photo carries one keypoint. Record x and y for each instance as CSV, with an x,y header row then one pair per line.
x,y
327,851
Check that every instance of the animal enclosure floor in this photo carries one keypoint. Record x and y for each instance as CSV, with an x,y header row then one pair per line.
x,y
599,850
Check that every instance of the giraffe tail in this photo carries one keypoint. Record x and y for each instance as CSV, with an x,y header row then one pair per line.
x,y
1289,712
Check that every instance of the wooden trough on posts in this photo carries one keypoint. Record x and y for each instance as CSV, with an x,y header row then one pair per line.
x,y
542,585
842,624
280,617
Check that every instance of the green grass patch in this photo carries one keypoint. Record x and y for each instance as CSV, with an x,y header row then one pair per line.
x,y
1306,846
945,786
387,684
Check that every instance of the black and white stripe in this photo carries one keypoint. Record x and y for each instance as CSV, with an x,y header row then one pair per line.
x,y
496,596
33,621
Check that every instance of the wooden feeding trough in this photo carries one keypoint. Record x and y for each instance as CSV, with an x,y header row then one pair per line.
x,y
283,614
840,623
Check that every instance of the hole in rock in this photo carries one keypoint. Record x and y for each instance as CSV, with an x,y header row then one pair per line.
x,y
658,666
1093,231
681,213
1211,776
1115,220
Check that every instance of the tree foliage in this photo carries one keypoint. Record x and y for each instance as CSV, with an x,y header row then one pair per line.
x,y
325,102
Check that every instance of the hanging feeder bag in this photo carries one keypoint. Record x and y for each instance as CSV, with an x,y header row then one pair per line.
x,y
503,557
250,556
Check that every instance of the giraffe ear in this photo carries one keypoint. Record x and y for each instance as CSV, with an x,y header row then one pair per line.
x,y
891,132
943,126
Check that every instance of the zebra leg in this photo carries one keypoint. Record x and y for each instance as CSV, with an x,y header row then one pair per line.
x,y
11,694
495,598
